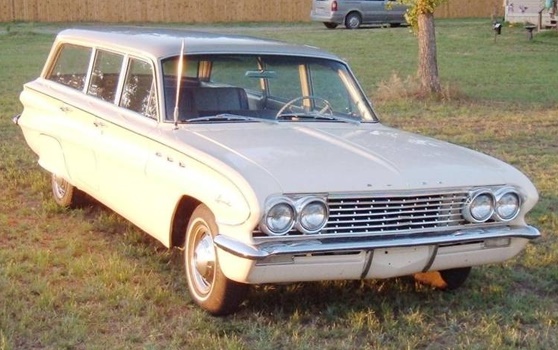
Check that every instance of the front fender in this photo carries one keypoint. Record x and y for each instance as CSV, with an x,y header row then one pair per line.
x,y
174,176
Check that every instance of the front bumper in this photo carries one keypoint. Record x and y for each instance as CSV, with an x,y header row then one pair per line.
x,y
369,257
339,245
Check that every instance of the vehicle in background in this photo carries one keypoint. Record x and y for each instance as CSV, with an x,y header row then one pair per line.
x,y
355,13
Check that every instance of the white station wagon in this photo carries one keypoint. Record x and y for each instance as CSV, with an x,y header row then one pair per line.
x,y
263,161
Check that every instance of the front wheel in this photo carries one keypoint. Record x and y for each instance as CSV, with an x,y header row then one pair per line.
x,y
455,278
207,284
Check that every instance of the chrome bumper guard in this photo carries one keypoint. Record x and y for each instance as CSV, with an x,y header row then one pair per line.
x,y
339,245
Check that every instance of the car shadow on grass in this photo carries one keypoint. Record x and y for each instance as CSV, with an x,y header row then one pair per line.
x,y
491,292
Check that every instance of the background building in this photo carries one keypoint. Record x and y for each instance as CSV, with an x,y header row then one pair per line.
x,y
538,12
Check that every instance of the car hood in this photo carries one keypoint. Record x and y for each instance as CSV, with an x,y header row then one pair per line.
x,y
317,157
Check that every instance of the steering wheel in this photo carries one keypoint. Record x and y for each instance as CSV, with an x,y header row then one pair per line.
x,y
290,105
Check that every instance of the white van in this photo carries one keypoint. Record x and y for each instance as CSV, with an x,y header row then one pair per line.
x,y
354,13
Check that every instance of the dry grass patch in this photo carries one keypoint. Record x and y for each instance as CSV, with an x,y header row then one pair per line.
x,y
397,88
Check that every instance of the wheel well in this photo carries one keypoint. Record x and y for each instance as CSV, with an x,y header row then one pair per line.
x,y
352,13
183,211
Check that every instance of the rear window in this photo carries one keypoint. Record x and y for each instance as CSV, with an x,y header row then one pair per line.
x,y
71,65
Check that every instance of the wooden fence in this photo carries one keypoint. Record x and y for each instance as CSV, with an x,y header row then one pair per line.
x,y
197,11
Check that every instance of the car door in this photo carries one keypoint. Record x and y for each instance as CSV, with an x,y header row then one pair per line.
x,y
129,125
374,11
126,144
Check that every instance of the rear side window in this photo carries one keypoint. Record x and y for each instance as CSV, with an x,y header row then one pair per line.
x,y
105,75
70,67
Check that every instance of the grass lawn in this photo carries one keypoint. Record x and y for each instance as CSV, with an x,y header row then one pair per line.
x,y
87,279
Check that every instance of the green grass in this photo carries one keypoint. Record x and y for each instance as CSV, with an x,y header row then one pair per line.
x,y
87,279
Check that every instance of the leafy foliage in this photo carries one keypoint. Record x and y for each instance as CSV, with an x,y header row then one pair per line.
x,y
418,7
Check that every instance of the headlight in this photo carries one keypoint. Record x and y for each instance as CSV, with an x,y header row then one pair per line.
x,y
507,205
312,215
279,218
480,207
309,214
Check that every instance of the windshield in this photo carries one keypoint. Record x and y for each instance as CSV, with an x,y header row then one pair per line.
x,y
262,87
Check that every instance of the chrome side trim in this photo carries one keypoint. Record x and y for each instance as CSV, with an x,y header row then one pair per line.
x,y
325,245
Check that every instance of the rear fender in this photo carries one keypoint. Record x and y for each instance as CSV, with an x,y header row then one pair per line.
x,y
51,156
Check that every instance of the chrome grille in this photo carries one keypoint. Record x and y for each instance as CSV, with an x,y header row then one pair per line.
x,y
391,214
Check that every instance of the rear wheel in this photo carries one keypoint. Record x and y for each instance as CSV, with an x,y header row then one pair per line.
x,y
64,193
207,284
445,279
330,25
353,20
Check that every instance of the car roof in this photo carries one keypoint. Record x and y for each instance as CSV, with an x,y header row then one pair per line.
x,y
160,43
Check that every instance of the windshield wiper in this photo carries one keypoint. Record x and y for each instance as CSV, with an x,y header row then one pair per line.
x,y
316,115
227,117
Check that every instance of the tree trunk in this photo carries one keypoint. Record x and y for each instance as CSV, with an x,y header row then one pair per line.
x,y
428,65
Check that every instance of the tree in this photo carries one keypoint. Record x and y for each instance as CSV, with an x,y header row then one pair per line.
x,y
420,17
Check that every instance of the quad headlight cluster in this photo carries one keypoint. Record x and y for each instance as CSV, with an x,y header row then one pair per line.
x,y
502,204
307,214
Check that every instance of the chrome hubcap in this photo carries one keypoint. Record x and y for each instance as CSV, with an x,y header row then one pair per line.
x,y
59,186
203,263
